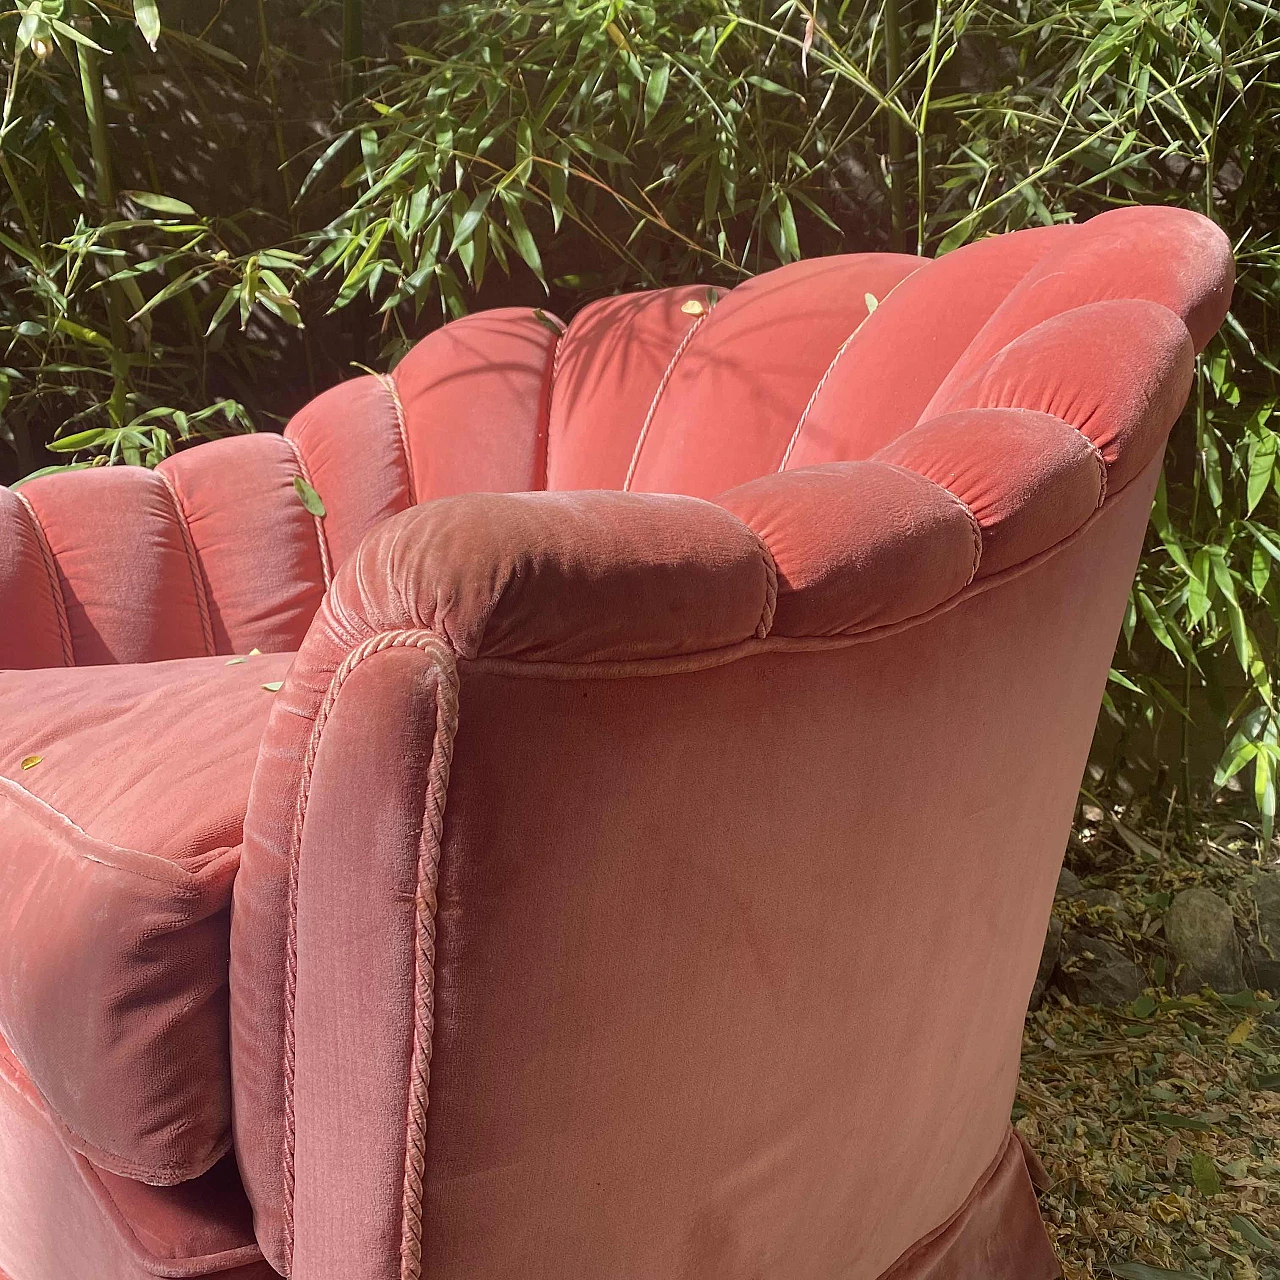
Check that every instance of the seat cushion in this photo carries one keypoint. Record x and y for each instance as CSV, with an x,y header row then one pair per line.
x,y
61,1217
122,796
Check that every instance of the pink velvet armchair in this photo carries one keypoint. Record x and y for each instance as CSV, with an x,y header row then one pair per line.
x,y
629,854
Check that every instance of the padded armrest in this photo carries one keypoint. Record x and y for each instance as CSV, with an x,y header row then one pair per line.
x,y
567,577
586,578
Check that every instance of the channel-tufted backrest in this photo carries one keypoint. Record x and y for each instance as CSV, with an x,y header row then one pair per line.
x,y
960,415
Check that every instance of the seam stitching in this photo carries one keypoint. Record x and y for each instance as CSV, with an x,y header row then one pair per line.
x,y
968,511
1097,457
193,563
183,890
551,390
424,929
55,582
657,396
173,1172
830,369
388,384
322,541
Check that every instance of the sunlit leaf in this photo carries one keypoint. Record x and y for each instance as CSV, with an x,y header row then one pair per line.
x,y
147,17
655,92
161,204
80,440
1241,1032
308,496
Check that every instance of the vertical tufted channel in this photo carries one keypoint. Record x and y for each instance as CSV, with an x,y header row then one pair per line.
x,y
33,616
727,412
128,581
881,381
610,364
474,398
353,443
262,562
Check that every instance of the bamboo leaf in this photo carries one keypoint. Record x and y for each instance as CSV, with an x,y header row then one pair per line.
x,y
72,34
308,496
80,440
655,92
470,220
161,204
1261,464
147,17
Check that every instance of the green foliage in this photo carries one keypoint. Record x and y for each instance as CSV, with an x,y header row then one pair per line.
x,y
1168,102
636,145
561,150
114,302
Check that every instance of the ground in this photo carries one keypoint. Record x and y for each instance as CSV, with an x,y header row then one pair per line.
x,y
1157,1123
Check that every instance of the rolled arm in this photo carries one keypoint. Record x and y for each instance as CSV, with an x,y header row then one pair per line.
x,y
360,741
564,577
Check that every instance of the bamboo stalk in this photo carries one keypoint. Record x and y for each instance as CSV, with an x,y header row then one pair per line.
x,y
897,162
923,125
1201,427
268,65
94,111
105,196
24,210
352,45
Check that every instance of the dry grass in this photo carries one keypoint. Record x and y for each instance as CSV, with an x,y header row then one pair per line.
x,y
1158,1124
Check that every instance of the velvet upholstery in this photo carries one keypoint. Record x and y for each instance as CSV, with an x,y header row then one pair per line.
x,y
120,847
60,1216
590,911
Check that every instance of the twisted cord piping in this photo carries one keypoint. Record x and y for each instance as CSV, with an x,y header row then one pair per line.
x,y
657,396
424,977
424,928
55,582
388,384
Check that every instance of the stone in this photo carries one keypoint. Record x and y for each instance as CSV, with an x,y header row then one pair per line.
x,y
1111,900
1092,970
1068,885
1048,962
1201,932
1264,951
